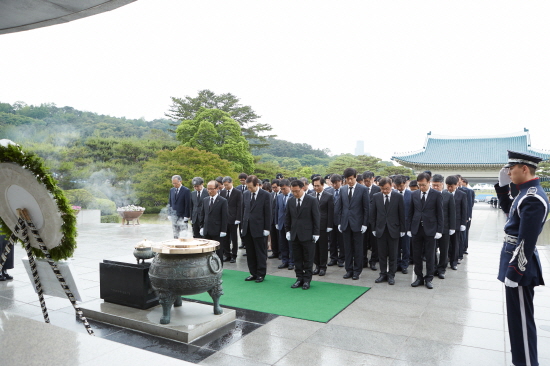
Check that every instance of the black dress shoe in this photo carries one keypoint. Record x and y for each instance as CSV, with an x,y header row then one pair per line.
x,y
226,259
429,285
417,283
245,254
241,247
348,275
454,268
273,257
391,281
373,266
2,278
305,286
436,273
7,276
405,271
332,262
441,276
316,271
366,264
322,272
260,279
232,260
399,268
355,277
250,278
297,284
382,278
465,252
290,267
284,265
340,264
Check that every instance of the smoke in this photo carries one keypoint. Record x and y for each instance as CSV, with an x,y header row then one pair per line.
x,y
104,183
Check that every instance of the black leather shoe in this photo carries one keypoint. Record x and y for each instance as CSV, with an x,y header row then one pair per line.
x,y
429,285
332,263
297,284
291,267
340,264
465,252
454,268
316,271
322,272
348,275
436,273
226,259
405,271
2,278
241,247
355,277
382,278
441,276
366,264
417,283
305,286
391,281
273,257
399,269
7,276
232,260
373,266
260,279
250,278
284,265
245,254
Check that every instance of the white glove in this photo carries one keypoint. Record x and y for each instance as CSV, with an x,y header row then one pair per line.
x,y
409,234
437,236
277,226
451,232
363,229
503,178
237,222
462,227
222,235
329,229
374,233
288,235
266,232
510,283
185,219
315,238
201,231
340,228
401,234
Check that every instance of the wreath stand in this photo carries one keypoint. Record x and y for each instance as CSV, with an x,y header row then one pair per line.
x,y
24,223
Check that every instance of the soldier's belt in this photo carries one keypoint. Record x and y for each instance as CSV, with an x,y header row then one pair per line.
x,y
511,239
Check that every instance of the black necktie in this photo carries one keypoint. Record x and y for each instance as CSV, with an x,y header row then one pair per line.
x,y
299,204
318,196
177,190
198,195
211,201
284,201
423,199
387,203
349,193
228,194
368,190
253,196
336,194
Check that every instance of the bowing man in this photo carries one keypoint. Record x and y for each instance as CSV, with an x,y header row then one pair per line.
x,y
326,210
214,216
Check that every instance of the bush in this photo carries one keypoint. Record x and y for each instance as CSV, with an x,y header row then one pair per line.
x,y
153,210
79,197
107,207
110,219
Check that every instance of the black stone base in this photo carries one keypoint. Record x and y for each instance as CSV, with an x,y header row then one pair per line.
x,y
126,284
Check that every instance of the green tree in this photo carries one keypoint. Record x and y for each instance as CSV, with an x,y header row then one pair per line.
x,y
392,170
291,163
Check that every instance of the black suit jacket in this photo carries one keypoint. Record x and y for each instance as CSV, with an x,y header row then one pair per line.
x,y
449,212
242,187
431,215
326,209
393,218
355,213
373,190
257,214
181,204
274,206
234,205
461,208
304,223
196,205
214,217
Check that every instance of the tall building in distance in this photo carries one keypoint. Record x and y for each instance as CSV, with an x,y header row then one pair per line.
x,y
360,147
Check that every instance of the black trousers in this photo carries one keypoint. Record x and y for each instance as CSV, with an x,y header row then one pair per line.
x,y
454,244
337,251
443,245
196,230
256,254
231,241
464,242
321,251
303,252
369,243
423,243
219,251
387,250
521,324
274,241
404,252
9,260
286,249
353,244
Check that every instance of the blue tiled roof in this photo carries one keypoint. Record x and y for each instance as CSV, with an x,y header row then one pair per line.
x,y
463,151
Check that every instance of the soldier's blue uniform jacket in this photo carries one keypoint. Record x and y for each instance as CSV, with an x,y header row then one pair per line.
x,y
527,212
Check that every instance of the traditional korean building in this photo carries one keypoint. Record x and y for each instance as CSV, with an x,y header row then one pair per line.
x,y
477,158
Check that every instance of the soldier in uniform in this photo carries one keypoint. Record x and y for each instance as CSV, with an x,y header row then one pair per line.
x,y
520,268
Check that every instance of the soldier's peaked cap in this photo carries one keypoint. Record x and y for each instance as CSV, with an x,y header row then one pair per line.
x,y
515,157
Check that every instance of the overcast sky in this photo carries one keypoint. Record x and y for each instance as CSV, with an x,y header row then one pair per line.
x,y
326,73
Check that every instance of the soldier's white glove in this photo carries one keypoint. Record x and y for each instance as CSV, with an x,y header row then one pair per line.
x,y
340,228
451,232
437,236
222,235
363,229
329,229
401,234
462,227
288,235
185,219
374,233
409,234
510,283
277,226
237,222
503,178
315,238
266,232
201,231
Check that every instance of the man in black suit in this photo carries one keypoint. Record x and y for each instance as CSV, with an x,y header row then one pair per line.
x,y
425,226
449,226
337,250
274,233
234,199
353,215
369,240
471,202
326,210
302,223
280,218
242,187
198,194
8,264
179,206
461,207
404,251
387,216
214,215
255,227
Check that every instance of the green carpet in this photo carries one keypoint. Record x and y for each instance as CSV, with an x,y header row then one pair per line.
x,y
320,303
